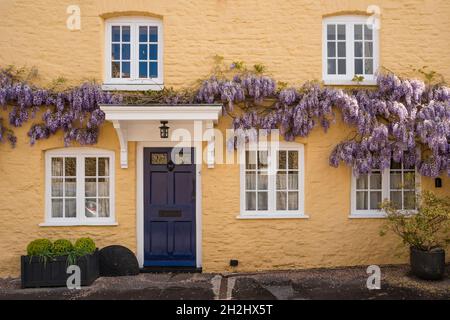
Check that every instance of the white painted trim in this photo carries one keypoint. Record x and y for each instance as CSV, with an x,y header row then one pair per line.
x,y
162,112
140,198
272,213
132,87
74,224
349,21
272,216
81,219
134,23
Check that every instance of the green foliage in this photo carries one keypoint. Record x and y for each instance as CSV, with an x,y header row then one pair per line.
x,y
425,229
39,247
259,68
62,247
430,76
358,79
85,246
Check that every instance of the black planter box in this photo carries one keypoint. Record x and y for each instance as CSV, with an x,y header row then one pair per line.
x,y
428,265
53,273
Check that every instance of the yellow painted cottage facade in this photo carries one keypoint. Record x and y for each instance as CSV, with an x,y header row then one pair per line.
x,y
323,230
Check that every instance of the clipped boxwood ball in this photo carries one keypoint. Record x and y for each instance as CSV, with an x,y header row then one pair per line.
x,y
62,247
85,245
39,247
116,261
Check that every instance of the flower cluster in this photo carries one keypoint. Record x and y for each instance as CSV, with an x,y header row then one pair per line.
x,y
75,111
401,120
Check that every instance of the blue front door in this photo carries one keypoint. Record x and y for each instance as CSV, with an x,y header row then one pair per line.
x,y
169,207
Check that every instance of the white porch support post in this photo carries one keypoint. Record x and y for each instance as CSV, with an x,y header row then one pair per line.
x,y
121,130
211,144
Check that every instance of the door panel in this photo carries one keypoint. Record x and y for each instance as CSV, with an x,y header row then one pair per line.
x,y
169,209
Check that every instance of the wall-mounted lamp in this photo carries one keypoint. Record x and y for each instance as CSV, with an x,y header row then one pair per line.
x,y
164,130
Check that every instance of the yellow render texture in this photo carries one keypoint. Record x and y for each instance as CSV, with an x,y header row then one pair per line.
x,y
285,36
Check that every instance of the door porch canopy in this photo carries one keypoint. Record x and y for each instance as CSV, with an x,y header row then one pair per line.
x,y
141,123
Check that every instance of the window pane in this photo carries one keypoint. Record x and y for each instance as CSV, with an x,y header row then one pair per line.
x,y
153,69
250,181
125,52
341,32
331,32
331,49
143,54
281,200
341,49
71,208
103,166
262,200
358,32
293,201
293,160
361,182
375,200
409,200
250,200
143,67
368,49
293,180
368,67
281,180
57,167
153,34
71,187
90,187
57,187
70,167
143,34
396,199
375,181
263,183
153,52
103,187
409,180
262,159
358,49
250,159
103,208
396,165
126,34
341,66
115,69
90,208
331,66
367,33
358,66
115,32
396,181
90,167
125,69
115,52
57,208
281,159
361,200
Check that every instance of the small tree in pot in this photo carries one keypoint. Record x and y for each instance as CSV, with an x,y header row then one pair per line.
x,y
425,230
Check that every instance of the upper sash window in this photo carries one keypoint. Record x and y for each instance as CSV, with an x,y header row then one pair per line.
x,y
133,54
350,48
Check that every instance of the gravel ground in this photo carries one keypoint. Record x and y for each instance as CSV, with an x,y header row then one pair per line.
x,y
339,283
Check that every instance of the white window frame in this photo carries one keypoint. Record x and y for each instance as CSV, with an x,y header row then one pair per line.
x,y
80,219
385,195
272,213
346,79
134,82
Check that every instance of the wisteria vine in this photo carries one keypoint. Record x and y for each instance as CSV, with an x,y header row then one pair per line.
x,y
399,120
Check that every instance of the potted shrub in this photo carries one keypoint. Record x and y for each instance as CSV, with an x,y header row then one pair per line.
x,y
425,231
46,263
